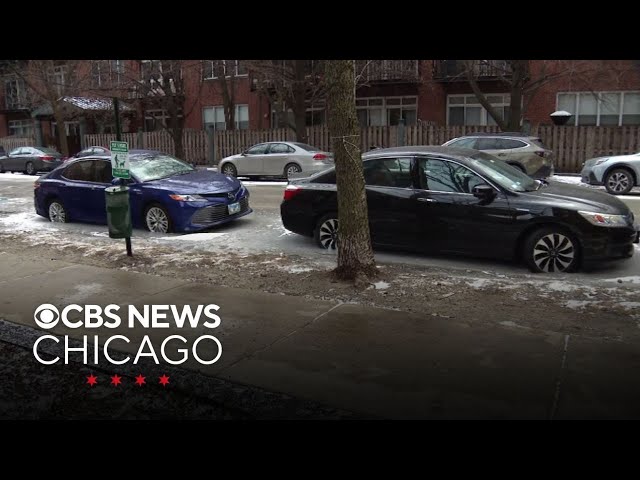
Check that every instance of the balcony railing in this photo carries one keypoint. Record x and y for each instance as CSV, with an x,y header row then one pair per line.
x,y
452,70
388,70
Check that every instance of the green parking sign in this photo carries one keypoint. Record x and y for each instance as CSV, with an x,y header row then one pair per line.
x,y
120,159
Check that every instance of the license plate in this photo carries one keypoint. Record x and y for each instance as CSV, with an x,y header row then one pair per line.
x,y
234,208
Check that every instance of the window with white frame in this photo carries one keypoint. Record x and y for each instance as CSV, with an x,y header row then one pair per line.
x,y
212,69
466,109
21,128
15,93
601,108
105,73
380,111
155,120
215,116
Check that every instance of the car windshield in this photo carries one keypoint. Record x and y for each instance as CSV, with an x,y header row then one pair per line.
x,y
49,151
306,147
147,167
503,174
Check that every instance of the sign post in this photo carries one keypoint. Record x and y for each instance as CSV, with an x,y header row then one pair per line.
x,y
118,209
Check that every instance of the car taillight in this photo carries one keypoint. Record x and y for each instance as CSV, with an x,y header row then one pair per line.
x,y
47,158
319,156
36,186
291,191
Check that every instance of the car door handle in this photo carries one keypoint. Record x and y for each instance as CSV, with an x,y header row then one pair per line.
x,y
429,200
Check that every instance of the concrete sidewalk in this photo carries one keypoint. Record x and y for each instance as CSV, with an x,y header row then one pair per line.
x,y
362,359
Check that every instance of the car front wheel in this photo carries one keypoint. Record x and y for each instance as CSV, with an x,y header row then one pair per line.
x,y
550,250
229,169
618,181
157,219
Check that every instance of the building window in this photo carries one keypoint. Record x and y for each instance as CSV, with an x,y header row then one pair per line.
x,y
151,70
212,69
57,77
215,116
21,128
105,73
380,111
466,109
70,128
601,108
15,93
155,120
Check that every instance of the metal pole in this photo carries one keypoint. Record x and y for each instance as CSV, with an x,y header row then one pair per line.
x,y
116,112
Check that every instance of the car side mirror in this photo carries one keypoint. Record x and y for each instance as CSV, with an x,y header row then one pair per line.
x,y
486,193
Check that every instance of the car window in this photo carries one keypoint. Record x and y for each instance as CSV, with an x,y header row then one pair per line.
x,y
48,151
306,147
463,143
444,176
508,143
388,172
80,171
102,172
279,148
329,178
15,151
487,144
258,149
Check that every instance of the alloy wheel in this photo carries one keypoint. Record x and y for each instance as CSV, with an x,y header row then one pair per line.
x,y
157,220
618,182
293,169
57,213
554,253
328,235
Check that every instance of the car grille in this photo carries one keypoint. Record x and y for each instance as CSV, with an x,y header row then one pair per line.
x,y
217,213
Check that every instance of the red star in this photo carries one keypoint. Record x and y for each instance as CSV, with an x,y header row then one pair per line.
x,y
115,380
92,380
164,380
140,380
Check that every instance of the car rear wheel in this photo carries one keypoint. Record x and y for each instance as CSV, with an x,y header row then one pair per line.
x,y
618,181
229,169
157,219
550,250
30,169
57,213
326,233
291,169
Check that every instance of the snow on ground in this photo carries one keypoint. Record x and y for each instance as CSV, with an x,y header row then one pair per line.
x,y
630,305
568,179
380,285
578,304
194,237
18,176
634,279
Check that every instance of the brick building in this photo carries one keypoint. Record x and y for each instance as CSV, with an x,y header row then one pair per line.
x,y
432,91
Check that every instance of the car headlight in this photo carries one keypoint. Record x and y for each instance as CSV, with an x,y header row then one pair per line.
x,y
187,198
601,161
605,220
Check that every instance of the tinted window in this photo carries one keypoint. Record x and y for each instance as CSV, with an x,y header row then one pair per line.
x,y
103,172
503,174
507,143
306,147
329,177
445,176
463,143
258,149
15,151
388,172
81,171
487,144
280,148
49,151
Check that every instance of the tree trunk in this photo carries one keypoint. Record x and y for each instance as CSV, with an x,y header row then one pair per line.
x,y
62,131
299,102
228,102
520,77
355,255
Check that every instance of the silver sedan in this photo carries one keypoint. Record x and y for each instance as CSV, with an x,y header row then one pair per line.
x,y
276,159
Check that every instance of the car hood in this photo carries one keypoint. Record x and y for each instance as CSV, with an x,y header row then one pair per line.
x,y
233,157
199,181
616,158
574,197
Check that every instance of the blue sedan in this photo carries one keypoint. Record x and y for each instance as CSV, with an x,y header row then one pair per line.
x,y
166,194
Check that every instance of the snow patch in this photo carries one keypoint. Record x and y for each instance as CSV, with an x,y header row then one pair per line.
x,y
567,179
11,176
381,285
633,279
562,286
296,269
194,237
629,305
481,283
578,304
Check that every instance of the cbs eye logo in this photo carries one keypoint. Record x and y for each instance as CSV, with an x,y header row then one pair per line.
x,y
46,316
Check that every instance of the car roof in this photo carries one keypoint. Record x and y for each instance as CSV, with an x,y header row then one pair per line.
x,y
498,134
457,153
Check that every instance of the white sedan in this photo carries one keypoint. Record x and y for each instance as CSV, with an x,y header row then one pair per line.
x,y
276,159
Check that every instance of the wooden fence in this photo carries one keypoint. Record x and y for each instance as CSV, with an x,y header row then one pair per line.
x,y
572,145
9,143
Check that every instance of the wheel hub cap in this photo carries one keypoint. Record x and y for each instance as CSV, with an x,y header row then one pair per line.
x,y
554,253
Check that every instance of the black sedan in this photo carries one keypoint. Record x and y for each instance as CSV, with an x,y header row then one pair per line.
x,y
31,160
461,201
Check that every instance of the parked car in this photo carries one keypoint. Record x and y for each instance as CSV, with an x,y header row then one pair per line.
x,y
90,151
461,201
31,160
166,194
3,152
281,159
618,173
528,154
